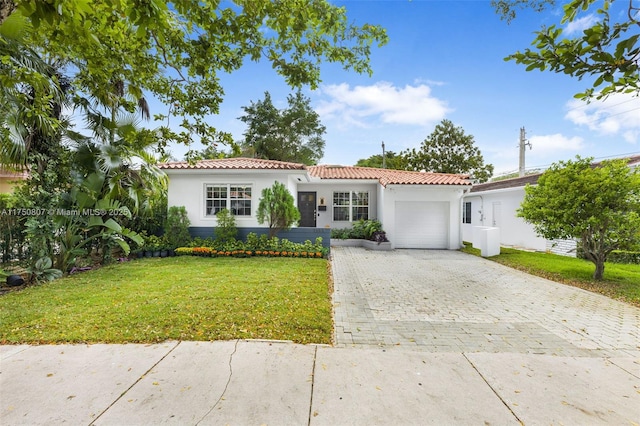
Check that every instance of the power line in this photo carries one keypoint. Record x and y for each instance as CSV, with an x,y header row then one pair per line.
x,y
603,105
609,115
546,166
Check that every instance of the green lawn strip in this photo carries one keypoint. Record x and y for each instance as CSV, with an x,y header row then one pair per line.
x,y
182,298
621,281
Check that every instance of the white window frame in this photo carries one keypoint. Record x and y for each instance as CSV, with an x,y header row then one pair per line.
x,y
228,200
351,205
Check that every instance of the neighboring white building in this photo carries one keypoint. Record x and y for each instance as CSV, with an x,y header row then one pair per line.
x,y
416,209
495,204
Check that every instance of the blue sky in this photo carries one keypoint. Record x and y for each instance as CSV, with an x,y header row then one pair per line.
x,y
444,60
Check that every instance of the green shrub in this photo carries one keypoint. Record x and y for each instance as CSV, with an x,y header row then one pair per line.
x,y
226,229
340,233
176,229
360,230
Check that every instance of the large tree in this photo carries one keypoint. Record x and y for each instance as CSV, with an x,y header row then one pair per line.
x,y
293,134
607,51
176,50
449,150
597,205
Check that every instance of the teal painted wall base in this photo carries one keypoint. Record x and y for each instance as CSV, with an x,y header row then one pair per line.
x,y
296,235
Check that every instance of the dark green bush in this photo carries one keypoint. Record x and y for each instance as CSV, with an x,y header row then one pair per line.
x,y
176,230
360,230
621,256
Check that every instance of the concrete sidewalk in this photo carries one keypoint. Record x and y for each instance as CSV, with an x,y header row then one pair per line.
x,y
280,383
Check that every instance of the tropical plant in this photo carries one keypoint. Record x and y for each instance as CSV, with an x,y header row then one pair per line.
x,y
276,207
42,271
95,221
226,229
599,206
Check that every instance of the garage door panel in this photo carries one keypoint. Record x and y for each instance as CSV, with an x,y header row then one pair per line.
x,y
422,224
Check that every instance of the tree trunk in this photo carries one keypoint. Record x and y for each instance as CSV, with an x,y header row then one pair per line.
x,y
6,8
599,272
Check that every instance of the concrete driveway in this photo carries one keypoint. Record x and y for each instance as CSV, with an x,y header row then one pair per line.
x,y
448,301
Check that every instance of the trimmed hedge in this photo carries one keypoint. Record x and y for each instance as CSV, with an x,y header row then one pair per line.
x,y
621,256
209,252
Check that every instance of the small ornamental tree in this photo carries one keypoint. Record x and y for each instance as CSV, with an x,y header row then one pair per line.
x,y
177,227
226,230
598,205
276,207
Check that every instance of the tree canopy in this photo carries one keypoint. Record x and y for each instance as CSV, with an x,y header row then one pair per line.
x,y
175,50
102,60
292,134
391,161
449,150
597,205
608,51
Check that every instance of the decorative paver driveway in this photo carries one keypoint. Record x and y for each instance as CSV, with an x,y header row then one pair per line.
x,y
449,301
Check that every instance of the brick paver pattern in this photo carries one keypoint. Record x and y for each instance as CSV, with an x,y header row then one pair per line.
x,y
449,301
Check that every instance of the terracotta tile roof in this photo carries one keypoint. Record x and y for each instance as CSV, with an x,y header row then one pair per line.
x,y
387,176
233,163
507,183
384,176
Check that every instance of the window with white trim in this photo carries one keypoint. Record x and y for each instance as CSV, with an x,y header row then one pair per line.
x,y
350,206
466,212
235,198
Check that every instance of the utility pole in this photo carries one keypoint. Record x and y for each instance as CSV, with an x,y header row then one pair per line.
x,y
523,144
384,159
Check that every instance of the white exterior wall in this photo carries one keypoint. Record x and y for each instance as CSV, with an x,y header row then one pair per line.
x,y
514,231
448,194
325,190
187,188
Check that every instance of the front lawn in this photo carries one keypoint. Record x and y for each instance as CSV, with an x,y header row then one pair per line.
x,y
180,298
620,281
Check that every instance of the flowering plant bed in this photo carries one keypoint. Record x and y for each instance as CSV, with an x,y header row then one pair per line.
x,y
211,252
254,246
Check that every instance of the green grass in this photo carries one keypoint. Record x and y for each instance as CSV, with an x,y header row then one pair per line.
x,y
181,298
620,281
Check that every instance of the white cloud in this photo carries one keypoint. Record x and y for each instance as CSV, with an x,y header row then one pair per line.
x,y
365,106
617,114
544,145
580,24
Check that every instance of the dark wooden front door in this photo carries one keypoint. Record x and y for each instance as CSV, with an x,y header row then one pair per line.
x,y
307,207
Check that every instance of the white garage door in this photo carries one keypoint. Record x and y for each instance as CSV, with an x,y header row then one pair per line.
x,y
422,224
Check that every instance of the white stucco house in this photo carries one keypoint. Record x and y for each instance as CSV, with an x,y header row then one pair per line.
x,y
495,204
416,209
